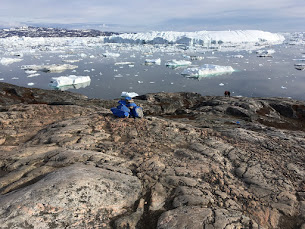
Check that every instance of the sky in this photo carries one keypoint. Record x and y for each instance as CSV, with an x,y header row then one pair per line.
x,y
147,15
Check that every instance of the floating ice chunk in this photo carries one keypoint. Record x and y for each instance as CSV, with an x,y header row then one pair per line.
x,y
131,65
177,63
221,84
74,86
118,76
153,61
1,78
237,56
33,75
8,61
53,68
110,54
265,53
152,82
83,55
124,63
301,60
206,70
129,94
71,61
283,87
15,78
61,81
30,72
30,84
193,57
300,67
140,81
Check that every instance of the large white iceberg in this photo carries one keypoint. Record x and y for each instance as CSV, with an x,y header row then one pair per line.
x,y
7,61
206,70
198,38
54,68
177,63
62,81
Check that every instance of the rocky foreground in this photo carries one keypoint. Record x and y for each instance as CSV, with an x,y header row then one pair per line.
x,y
193,162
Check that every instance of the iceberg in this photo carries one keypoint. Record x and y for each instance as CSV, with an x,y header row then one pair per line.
x,y
62,81
153,61
110,54
177,63
300,67
8,61
124,63
193,57
53,68
205,38
238,56
207,70
129,94
265,53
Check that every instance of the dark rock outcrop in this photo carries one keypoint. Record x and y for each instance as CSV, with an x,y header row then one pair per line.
x,y
194,161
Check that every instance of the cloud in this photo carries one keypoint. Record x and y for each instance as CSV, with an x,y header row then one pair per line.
x,y
147,13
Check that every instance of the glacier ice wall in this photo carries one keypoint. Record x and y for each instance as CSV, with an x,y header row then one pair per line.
x,y
205,38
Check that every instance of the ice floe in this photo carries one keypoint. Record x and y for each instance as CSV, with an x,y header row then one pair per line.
x,y
265,53
8,61
206,70
176,63
153,61
238,56
33,75
68,80
111,54
53,68
71,61
300,67
124,63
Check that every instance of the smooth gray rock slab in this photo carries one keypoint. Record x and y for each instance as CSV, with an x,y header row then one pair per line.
x,y
77,196
198,218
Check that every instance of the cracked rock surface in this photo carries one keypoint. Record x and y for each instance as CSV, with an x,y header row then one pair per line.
x,y
193,162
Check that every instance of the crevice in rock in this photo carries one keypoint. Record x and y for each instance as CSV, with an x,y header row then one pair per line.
x,y
149,219
291,222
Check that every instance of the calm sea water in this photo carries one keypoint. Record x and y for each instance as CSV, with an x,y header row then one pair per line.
x,y
254,76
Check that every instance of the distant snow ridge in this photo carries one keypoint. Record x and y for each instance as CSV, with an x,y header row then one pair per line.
x,y
198,38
